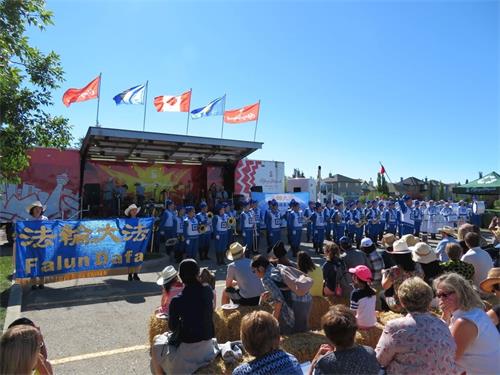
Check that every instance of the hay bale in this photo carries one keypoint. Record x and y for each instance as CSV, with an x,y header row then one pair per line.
x,y
304,346
369,337
227,322
320,306
384,316
156,327
218,366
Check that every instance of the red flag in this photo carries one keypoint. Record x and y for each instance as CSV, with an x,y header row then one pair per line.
x,y
244,114
382,169
91,91
168,103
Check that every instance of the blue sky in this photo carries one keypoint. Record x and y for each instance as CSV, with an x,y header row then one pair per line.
x,y
343,84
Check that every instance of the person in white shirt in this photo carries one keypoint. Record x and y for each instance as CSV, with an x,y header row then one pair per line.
x,y
478,257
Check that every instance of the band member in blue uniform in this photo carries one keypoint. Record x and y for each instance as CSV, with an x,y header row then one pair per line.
x,y
257,216
463,213
221,231
268,234
350,218
204,238
273,224
231,212
417,217
338,221
166,226
294,226
407,224
327,215
307,214
433,225
247,227
318,228
287,218
371,214
360,220
180,246
381,223
191,233
391,218
447,211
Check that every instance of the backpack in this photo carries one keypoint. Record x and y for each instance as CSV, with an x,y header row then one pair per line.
x,y
297,281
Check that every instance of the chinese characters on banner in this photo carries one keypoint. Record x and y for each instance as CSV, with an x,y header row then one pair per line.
x,y
61,250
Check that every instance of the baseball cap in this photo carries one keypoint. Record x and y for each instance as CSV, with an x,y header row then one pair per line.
x,y
362,272
366,242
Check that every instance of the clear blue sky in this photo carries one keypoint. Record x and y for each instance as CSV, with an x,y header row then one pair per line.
x,y
343,84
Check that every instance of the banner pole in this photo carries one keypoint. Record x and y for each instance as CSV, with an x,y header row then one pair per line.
x,y
98,100
223,110
189,110
385,172
256,123
145,101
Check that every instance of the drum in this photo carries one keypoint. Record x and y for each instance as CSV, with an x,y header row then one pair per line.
x,y
478,207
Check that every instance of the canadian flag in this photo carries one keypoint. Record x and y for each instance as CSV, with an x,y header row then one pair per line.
x,y
179,103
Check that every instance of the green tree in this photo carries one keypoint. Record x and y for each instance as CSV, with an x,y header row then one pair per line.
x,y
379,183
385,187
27,78
441,191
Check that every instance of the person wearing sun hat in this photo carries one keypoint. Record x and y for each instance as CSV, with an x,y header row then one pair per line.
x,y
171,286
404,269
131,212
424,255
35,211
448,236
242,285
492,285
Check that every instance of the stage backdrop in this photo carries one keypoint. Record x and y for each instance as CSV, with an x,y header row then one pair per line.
x,y
65,249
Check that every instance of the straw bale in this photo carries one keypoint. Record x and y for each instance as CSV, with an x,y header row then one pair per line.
x,y
227,322
304,346
218,366
369,337
320,306
384,316
156,327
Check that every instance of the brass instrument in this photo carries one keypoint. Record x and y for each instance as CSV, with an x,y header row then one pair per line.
x,y
361,223
338,218
210,215
231,221
172,242
202,228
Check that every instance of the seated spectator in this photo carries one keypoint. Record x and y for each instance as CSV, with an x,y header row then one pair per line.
x,y
420,342
492,285
476,337
189,345
404,269
476,256
260,335
21,351
276,293
426,257
306,265
278,255
171,286
363,298
375,261
448,235
343,356
334,272
454,264
242,285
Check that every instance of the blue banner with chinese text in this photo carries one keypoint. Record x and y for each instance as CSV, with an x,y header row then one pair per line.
x,y
67,249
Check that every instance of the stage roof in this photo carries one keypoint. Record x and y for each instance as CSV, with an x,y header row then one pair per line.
x,y
136,146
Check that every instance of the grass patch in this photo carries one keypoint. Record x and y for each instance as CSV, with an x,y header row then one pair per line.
x,y
5,283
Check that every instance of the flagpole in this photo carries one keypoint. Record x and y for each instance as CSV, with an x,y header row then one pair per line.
x,y
189,110
385,172
98,101
223,110
256,123
145,102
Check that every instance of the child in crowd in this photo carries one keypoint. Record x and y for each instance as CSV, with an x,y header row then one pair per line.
x,y
171,286
208,278
363,297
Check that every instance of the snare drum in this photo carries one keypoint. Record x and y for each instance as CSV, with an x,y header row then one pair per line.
x,y
478,207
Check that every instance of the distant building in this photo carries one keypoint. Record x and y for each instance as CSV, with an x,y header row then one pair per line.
x,y
347,187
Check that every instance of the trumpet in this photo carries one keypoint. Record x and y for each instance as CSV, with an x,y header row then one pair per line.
x,y
360,223
210,215
231,221
202,228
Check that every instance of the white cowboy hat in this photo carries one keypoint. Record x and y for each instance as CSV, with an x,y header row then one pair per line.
x,y
400,247
236,251
36,204
448,230
423,253
131,207
166,275
410,239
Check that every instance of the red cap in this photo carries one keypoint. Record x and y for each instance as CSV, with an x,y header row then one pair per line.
x,y
362,272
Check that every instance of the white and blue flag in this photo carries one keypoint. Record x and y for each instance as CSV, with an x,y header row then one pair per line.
x,y
214,108
134,95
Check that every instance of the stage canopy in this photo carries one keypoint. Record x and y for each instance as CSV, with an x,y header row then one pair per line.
x,y
109,144
489,184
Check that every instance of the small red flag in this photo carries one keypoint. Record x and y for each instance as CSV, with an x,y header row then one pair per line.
x,y
91,91
382,169
244,114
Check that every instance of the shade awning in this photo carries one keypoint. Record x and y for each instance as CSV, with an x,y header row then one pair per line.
x,y
109,144
489,184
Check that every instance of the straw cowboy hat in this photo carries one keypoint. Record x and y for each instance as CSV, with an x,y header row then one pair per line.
x,y
423,253
168,274
400,247
236,251
131,207
492,279
388,239
448,230
36,204
410,239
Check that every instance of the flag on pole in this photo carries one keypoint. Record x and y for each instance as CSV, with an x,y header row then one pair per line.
x,y
214,108
91,91
382,169
168,103
134,95
244,114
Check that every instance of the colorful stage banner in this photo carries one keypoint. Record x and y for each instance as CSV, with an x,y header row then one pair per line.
x,y
283,200
57,250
